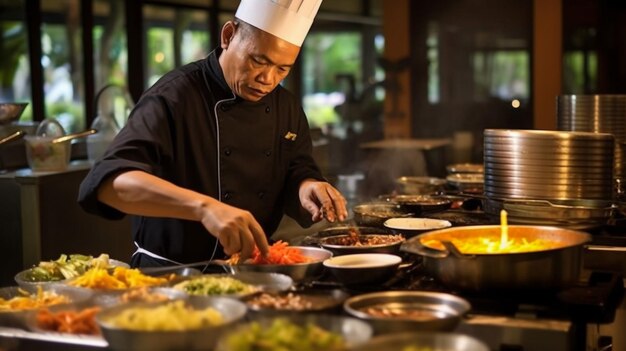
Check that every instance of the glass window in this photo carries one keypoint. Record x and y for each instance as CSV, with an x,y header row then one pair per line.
x,y
331,74
501,74
174,37
109,43
14,61
580,72
61,40
432,52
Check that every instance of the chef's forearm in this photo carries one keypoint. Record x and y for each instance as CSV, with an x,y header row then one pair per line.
x,y
140,193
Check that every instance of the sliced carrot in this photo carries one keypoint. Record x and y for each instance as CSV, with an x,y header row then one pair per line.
x,y
279,253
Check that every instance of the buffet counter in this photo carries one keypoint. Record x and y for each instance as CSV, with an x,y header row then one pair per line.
x,y
40,219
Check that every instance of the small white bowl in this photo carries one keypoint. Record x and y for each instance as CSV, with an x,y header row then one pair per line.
x,y
414,226
359,269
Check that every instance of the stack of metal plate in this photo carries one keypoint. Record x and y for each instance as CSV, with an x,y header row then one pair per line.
x,y
551,177
599,114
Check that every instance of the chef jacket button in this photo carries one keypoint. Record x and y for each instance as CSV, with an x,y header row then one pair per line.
x,y
227,151
267,109
227,195
268,153
224,107
261,194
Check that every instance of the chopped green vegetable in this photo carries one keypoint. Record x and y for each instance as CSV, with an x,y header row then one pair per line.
x,y
283,335
66,267
215,285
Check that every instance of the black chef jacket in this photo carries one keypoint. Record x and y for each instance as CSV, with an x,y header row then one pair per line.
x,y
189,129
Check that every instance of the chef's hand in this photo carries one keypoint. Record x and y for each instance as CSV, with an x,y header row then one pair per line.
x,y
322,200
236,230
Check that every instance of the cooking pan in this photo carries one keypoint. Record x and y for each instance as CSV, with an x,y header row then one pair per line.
x,y
374,214
550,269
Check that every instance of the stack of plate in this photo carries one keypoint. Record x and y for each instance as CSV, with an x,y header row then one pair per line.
x,y
599,114
593,113
570,170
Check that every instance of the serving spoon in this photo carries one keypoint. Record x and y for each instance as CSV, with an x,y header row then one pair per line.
x,y
11,137
74,136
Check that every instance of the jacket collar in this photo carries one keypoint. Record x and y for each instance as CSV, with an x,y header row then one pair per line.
x,y
217,75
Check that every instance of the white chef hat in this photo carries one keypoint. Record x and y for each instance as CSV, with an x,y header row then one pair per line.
x,y
289,20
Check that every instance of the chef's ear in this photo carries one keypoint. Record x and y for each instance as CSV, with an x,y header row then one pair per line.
x,y
227,34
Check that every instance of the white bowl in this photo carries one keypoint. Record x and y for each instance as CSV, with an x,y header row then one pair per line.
x,y
414,226
359,269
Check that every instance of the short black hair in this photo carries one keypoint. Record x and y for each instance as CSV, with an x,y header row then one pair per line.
x,y
244,28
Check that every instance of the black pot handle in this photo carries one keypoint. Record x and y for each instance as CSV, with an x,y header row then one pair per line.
x,y
416,247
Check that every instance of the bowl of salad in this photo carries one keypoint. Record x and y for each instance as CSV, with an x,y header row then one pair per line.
x,y
64,268
238,285
301,332
17,303
172,325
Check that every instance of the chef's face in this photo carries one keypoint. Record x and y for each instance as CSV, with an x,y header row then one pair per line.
x,y
254,62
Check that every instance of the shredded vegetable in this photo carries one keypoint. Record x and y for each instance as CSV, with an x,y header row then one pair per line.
x,y
73,322
66,267
122,278
280,253
31,301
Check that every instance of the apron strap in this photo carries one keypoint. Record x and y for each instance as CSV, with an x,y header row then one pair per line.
x,y
141,250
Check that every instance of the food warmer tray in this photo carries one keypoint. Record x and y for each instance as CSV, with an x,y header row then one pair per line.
x,y
18,339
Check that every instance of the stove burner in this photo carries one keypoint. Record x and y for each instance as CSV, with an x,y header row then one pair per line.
x,y
594,299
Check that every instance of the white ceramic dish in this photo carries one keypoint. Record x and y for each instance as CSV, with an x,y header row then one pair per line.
x,y
413,226
363,269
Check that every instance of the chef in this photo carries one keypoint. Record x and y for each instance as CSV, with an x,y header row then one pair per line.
x,y
216,151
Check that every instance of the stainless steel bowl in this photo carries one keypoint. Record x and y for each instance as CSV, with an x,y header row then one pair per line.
x,y
18,318
197,340
11,111
329,244
354,332
321,301
261,281
25,279
424,341
298,272
408,310
166,293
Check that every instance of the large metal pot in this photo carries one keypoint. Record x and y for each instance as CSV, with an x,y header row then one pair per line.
x,y
551,269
